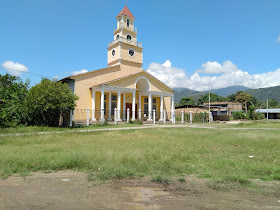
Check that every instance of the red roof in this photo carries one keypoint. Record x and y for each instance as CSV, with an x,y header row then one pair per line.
x,y
126,11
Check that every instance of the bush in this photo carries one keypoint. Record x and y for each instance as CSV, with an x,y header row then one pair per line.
x,y
200,117
258,116
12,94
186,117
139,122
238,115
46,102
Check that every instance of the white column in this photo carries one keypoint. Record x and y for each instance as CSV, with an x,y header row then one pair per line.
x,y
172,110
161,108
133,106
119,106
150,108
140,107
93,106
127,118
164,116
115,114
154,116
110,107
139,114
124,106
102,105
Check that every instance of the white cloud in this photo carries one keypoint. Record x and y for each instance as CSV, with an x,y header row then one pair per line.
x,y
217,68
56,77
79,72
167,64
171,76
278,40
13,68
229,75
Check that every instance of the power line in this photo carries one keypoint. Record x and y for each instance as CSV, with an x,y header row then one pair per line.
x,y
40,75
5,68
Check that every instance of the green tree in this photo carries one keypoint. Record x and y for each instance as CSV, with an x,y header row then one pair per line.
x,y
249,103
213,98
273,103
47,101
12,94
187,101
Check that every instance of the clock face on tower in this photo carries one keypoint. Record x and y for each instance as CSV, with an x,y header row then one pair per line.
x,y
131,53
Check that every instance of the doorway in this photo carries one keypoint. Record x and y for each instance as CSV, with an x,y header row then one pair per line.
x,y
129,106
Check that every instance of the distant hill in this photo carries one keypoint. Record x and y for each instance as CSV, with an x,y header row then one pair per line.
x,y
260,94
225,92
185,92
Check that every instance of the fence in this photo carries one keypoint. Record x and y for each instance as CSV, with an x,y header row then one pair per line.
x,y
87,116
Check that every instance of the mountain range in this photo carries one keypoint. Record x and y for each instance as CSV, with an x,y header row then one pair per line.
x,y
261,94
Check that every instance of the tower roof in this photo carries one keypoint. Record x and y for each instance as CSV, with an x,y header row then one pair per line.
x,y
126,11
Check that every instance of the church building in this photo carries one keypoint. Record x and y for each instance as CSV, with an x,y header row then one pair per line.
x,y
123,84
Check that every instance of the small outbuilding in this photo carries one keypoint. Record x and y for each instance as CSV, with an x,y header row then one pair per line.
x,y
272,113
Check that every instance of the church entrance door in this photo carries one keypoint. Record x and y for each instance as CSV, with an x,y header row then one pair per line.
x,y
129,106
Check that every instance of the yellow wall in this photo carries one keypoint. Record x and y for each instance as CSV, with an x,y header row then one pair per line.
x,y
115,47
125,56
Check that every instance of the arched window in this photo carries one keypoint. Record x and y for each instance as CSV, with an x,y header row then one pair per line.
x,y
118,36
127,22
128,37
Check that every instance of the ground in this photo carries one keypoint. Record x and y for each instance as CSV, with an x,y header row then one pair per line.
x,y
201,166
71,190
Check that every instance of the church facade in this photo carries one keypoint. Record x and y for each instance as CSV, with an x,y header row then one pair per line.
x,y
123,84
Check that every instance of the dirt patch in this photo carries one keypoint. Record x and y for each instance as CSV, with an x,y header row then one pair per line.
x,y
71,190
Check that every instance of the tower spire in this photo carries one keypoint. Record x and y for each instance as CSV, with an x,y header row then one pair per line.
x,y
125,2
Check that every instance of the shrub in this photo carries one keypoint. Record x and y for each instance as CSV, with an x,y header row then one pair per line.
x,y
12,94
238,115
47,101
258,116
200,117
186,117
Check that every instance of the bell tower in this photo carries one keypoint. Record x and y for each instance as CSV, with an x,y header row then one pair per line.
x,y
125,49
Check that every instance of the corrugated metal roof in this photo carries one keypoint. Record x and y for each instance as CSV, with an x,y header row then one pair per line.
x,y
269,110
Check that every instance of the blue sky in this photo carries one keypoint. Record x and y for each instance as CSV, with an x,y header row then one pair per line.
x,y
58,37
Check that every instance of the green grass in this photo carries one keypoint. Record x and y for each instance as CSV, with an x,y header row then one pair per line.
x,y
220,155
36,129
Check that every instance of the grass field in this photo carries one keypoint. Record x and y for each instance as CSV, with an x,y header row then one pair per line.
x,y
221,155
36,129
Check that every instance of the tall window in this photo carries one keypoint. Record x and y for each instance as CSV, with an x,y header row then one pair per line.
x,y
113,104
105,104
127,22
146,106
154,104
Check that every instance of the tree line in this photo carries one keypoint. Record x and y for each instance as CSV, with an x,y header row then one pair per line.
x,y
43,104
249,102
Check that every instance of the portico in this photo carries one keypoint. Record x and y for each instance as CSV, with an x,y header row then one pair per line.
x,y
140,103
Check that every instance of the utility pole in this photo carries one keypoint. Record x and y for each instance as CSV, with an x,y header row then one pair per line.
x,y
267,105
209,101
267,108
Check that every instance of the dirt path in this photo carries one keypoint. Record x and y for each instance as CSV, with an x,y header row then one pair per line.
x,y
134,128
71,190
